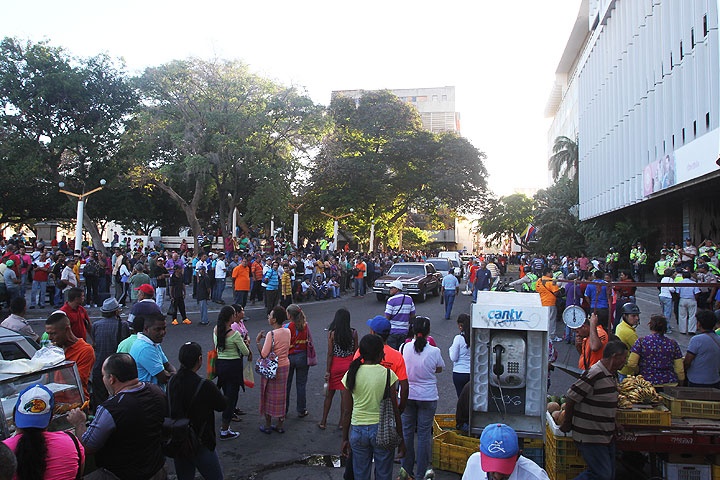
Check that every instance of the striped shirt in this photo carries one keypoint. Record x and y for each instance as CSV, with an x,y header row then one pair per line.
x,y
399,309
596,397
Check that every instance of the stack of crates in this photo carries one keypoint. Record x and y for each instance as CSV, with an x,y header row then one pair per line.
x,y
562,458
451,449
533,449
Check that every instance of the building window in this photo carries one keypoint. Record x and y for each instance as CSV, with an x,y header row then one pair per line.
x,y
692,38
435,98
671,61
707,121
705,25
444,98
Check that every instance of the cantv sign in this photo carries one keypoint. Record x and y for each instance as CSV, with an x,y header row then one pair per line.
x,y
509,311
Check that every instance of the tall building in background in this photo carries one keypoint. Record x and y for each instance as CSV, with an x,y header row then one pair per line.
x,y
638,85
435,105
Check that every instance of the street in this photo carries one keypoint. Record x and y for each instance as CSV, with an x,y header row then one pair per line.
x,y
255,455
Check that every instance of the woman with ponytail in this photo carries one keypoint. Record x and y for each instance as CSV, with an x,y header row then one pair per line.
x,y
41,454
299,336
422,362
460,353
364,389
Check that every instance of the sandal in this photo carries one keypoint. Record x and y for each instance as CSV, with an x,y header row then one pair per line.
x,y
278,429
322,426
304,413
265,429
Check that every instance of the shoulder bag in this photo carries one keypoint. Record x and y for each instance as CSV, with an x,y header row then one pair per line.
x,y
388,437
179,437
312,359
267,367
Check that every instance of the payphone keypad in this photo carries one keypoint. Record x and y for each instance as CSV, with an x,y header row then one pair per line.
x,y
513,367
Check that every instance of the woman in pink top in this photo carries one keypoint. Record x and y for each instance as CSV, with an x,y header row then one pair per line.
x,y
43,455
273,392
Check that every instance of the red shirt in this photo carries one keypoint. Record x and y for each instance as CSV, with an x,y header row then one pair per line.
x,y
298,340
79,320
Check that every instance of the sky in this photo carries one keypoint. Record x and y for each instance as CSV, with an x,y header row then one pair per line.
x,y
500,55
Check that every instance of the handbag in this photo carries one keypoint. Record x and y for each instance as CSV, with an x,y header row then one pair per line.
x,y
172,309
248,375
311,353
179,437
387,437
212,356
267,367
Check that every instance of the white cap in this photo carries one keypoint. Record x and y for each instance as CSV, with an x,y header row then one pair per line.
x,y
396,284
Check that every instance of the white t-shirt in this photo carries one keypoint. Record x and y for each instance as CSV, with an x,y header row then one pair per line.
x,y
220,269
460,355
525,469
420,369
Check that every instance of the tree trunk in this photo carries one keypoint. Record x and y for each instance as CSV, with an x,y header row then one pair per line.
x,y
190,209
92,229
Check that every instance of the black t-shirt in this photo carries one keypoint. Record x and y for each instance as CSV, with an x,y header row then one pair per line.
x,y
177,287
133,450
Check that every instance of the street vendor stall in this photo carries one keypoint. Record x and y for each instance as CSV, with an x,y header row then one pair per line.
x,y
61,379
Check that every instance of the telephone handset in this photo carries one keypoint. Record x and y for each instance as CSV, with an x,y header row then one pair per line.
x,y
508,360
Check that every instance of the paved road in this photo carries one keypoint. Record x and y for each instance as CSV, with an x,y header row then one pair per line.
x,y
255,455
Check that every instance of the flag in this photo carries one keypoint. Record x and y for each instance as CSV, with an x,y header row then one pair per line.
x,y
529,233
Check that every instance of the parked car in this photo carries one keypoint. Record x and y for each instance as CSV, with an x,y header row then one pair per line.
x,y
442,265
14,346
418,280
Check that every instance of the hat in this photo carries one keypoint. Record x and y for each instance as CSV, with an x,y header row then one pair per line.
x,y
145,288
379,324
630,309
34,407
110,305
9,263
572,276
396,284
499,449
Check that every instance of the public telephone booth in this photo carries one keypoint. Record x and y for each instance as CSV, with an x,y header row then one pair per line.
x,y
509,362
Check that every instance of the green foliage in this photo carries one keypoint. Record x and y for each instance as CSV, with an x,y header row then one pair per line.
x,y
559,229
564,160
506,217
414,238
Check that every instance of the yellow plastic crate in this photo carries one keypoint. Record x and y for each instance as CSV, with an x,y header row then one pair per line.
x,y
561,452
451,451
443,421
659,416
716,472
692,408
533,443
566,472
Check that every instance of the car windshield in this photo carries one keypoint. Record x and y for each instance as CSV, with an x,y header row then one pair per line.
x,y
455,263
440,264
400,269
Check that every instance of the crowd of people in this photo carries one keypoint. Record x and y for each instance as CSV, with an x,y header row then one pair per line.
x,y
133,385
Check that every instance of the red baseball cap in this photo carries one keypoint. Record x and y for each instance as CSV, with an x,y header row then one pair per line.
x,y
146,288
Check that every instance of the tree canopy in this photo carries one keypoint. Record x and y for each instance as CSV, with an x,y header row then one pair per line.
x,y
507,217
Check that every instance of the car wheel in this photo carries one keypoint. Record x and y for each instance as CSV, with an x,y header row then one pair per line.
x,y
436,291
422,296
380,297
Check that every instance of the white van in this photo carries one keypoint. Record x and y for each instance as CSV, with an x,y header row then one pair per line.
x,y
454,257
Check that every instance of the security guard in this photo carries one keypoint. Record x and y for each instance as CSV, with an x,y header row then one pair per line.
x,y
661,265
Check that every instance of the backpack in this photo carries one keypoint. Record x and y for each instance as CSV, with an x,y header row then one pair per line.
x,y
179,437
91,269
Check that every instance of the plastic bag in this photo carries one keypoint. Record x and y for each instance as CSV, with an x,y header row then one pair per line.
x,y
43,358
248,374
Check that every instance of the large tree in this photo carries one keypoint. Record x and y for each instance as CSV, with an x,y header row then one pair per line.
x,y
61,119
379,161
214,137
557,220
507,217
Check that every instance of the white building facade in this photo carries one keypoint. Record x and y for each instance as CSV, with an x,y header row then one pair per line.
x,y
639,87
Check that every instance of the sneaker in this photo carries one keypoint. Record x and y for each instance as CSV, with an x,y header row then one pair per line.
x,y
187,321
429,474
228,435
175,322
403,475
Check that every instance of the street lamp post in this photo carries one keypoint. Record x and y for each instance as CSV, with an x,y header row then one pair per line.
x,y
80,209
372,236
296,222
335,224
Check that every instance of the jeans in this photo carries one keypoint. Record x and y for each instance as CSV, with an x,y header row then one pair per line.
x,y
205,461
667,307
359,286
396,339
600,460
219,289
58,299
365,449
298,363
38,288
240,297
686,315
418,414
460,380
449,301
203,311
160,296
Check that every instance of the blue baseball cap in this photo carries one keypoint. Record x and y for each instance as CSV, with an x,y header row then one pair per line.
x,y
34,407
499,449
379,324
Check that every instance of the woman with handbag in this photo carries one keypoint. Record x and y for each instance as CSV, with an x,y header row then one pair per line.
x,y
197,399
342,344
300,341
422,362
230,348
273,390
367,385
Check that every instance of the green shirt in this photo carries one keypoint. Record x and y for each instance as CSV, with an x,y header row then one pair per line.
x,y
369,390
126,345
135,281
234,347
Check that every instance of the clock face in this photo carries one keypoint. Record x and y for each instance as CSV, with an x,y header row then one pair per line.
x,y
574,316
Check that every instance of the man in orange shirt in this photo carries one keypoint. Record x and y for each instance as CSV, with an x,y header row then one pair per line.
x,y
549,291
361,268
256,267
73,308
76,349
590,341
241,282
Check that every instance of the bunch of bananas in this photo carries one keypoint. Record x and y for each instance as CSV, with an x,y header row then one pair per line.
x,y
635,389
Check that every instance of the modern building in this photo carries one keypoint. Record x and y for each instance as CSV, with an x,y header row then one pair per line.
x,y
436,106
638,85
